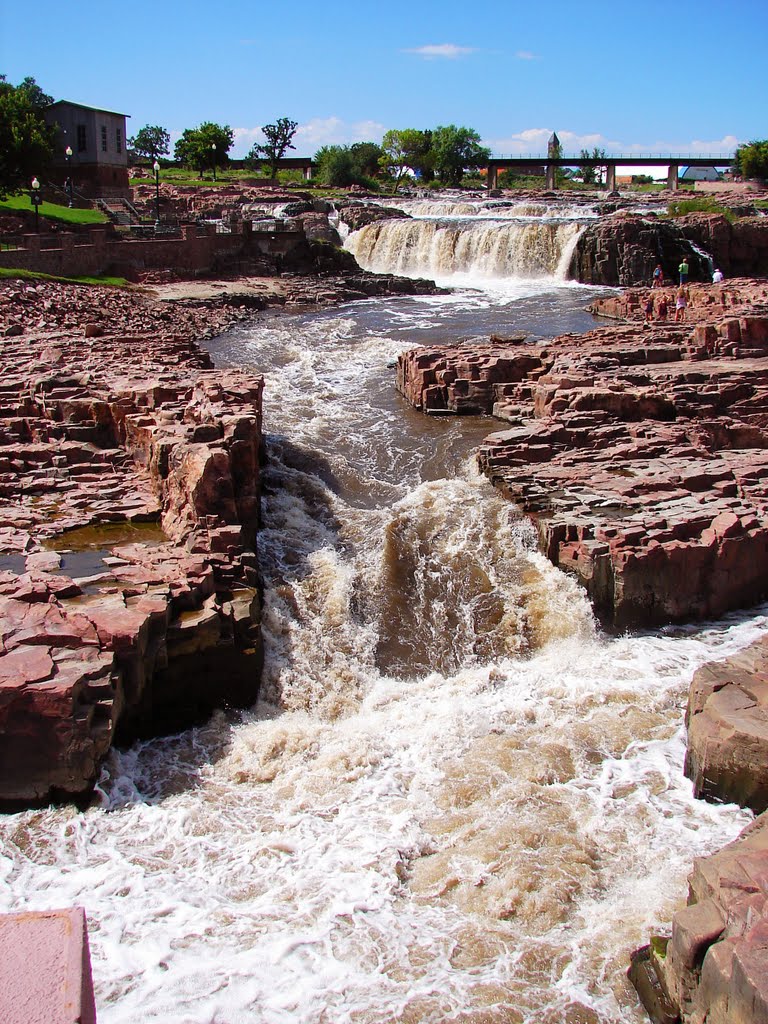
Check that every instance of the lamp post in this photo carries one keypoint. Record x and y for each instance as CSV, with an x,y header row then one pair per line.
x,y
68,155
213,153
35,198
156,169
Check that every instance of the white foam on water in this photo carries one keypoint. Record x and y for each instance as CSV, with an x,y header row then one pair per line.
x,y
457,799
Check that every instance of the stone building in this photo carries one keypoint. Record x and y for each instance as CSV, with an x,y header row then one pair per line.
x,y
98,140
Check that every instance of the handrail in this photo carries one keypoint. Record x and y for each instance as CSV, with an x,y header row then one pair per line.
x,y
631,158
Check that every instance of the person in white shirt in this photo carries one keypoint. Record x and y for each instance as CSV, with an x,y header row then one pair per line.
x,y
717,277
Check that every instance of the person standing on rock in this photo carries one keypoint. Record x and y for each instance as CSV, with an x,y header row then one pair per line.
x,y
717,277
648,309
683,270
661,312
658,277
681,303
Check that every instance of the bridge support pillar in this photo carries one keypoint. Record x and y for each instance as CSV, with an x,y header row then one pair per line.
x,y
551,180
493,176
672,181
610,177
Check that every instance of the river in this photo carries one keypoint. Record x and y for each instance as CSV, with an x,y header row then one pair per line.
x,y
457,799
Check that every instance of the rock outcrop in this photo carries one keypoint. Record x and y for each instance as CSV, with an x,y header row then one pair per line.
x,y
713,968
111,627
640,453
738,247
624,249
727,719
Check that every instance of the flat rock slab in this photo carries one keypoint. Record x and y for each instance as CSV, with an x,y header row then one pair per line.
x,y
102,435
45,968
639,451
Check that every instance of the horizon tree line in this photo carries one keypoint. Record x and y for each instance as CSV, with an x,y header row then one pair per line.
x,y
443,154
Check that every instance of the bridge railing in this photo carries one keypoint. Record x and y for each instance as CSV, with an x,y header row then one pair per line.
x,y
631,158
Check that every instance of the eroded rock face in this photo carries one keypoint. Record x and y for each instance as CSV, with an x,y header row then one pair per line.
x,y
127,637
639,452
713,968
727,719
624,249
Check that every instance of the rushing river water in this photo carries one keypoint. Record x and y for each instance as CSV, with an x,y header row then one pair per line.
x,y
457,800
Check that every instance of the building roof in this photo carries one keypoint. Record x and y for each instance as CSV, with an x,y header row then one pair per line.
x,y
84,106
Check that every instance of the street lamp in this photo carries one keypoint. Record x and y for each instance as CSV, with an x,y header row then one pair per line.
x,y
156,169
35,198
213,153
68,155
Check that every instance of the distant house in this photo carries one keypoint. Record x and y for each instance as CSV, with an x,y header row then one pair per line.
x,y
99,161
700,174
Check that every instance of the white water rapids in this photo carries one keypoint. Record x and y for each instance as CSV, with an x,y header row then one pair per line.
x,y
457,800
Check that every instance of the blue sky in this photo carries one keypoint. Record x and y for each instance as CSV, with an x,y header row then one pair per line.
x,y
646,77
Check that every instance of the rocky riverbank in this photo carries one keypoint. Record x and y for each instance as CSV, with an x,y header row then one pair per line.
x,y
638,450
129,473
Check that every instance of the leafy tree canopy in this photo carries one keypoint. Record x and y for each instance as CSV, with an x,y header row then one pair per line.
x,y
752,159
407,149
205,146
347,165
27,141
151,141
590,174
454,150
279,138
333,166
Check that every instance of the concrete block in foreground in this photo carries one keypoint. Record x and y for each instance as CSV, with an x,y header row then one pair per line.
x,y
45,968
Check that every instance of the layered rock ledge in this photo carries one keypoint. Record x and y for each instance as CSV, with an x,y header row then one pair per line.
x,y
712,970
639,451
129,478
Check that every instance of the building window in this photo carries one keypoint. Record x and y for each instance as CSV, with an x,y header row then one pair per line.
x,y
119,140
81,143
103,138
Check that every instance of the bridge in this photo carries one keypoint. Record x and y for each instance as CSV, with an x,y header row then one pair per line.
x,y
551,163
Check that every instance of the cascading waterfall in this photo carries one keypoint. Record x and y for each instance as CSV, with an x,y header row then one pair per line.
x,y
452,241
456,799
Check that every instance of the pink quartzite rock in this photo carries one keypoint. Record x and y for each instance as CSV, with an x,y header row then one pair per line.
x,y
714,968
727,719
640,452
45,968
108,432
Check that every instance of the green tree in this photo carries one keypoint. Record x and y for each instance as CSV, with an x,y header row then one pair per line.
x,y
455,150
27,141
588,173
365,158
279,138
205,146
407,149
333,166
339,166
151,141
751,160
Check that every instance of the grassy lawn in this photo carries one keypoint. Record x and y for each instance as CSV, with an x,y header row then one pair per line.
x,y
32,275
52,211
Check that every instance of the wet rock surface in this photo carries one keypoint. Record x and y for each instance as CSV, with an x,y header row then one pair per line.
x,y
640,452
713,967
112,627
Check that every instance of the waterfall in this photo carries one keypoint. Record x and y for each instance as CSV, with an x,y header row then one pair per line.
x,y
485,248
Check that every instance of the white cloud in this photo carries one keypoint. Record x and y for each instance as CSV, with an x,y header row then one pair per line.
x,y
449,51
320,131
527,55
